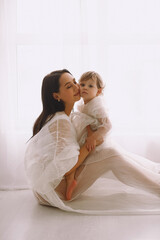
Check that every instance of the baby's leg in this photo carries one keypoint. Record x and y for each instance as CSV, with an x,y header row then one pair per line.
x,y
70,185
61,188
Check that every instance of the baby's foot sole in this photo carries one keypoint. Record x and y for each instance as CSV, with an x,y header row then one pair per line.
x,y
70,189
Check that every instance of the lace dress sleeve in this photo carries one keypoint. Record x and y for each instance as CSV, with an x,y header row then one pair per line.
x,y
97,110
80,121
103,119
50,154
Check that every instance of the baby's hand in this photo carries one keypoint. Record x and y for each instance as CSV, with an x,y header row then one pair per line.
x,y
90,143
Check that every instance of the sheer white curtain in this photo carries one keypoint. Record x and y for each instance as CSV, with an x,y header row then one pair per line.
x,y
118,39
11,147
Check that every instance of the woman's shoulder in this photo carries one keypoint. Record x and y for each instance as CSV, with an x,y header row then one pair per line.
x,y
59,116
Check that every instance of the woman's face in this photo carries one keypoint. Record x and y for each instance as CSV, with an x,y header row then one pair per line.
x,y
69,90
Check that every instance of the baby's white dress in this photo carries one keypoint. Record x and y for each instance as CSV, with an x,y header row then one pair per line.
x,y
111,180
96,115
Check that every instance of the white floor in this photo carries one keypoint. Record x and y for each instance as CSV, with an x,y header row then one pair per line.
x,y
23,219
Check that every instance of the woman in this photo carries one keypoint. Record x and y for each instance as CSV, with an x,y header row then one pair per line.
x,y
54,153
53,149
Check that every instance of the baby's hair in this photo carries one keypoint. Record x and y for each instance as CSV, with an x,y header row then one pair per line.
x,y
92,75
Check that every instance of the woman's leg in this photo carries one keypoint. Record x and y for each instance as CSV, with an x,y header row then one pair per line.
x,y
125,169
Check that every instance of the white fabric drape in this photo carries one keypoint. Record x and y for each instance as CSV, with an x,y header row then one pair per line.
x,y
118,39
11,137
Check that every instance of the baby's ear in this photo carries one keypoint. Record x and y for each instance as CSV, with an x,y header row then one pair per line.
x,y
99,91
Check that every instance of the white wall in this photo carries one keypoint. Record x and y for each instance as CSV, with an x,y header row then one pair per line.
x,y
119,39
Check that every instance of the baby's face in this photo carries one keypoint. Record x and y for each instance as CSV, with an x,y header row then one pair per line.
x,y
88,90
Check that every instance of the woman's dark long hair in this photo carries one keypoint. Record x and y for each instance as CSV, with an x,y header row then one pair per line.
x,y
50,105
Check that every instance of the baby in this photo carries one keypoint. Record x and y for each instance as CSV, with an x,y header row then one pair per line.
x,y
93,113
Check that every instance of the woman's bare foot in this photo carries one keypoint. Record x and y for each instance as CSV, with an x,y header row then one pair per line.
x,y
70,188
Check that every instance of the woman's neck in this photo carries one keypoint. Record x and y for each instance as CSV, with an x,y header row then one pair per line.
x,y
68,109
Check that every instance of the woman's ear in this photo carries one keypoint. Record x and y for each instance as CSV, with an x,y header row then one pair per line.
x,y
56,96
99,91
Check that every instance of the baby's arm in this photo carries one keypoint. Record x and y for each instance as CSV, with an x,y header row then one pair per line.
x,y
99,134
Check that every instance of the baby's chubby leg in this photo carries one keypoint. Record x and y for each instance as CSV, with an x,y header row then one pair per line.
x,y
71,184
61,188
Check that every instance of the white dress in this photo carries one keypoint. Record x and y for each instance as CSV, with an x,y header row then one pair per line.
x,y
111,180
94,114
